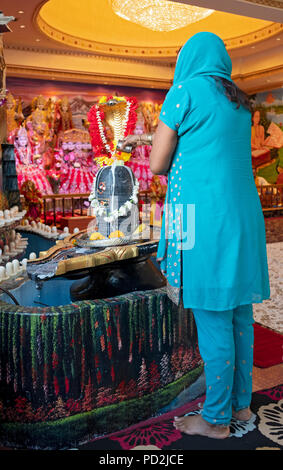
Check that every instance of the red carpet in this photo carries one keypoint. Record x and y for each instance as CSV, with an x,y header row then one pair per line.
x,y
268,347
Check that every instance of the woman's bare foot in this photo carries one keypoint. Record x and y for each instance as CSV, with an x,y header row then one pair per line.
x,y
242,415
195,424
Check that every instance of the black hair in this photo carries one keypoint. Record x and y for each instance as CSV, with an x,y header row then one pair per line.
x,y
234,93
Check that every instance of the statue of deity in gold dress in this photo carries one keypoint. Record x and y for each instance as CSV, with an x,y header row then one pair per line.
x,y
65,114
38,126
63,120
14,116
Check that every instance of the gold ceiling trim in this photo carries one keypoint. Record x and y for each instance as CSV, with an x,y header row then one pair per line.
x,y
103,48
254,37
262,73
242,79
14,70
154,53
94,55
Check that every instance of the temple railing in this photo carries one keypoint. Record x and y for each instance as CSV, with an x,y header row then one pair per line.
x,y
68,204
73,204
271,197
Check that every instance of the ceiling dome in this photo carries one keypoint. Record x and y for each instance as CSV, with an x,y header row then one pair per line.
x,y
86,25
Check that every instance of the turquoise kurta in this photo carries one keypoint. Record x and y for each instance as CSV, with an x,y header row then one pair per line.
x,y
213,233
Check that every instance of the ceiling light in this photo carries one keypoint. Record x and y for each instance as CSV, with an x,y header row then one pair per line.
x,y
21,12
22,26
159,15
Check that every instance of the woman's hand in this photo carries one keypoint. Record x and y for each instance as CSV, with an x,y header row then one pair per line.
x,y
136,140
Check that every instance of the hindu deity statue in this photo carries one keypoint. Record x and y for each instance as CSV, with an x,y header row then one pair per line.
x,y
114,195
38,125
14,115
66,122
63,120
74,161
27,168
33,203
139,161
150,112
111,120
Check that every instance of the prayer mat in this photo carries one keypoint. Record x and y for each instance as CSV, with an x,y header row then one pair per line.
x,y
262,432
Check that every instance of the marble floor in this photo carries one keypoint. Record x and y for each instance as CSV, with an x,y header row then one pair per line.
x,y
269,312
271,376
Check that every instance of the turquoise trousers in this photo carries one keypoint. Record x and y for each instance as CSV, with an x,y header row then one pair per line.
x,y
226,340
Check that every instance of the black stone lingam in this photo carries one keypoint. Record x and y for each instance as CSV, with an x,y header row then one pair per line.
x,y
114,189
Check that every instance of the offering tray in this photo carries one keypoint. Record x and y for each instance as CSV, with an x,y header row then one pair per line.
x,y
85,242
101,271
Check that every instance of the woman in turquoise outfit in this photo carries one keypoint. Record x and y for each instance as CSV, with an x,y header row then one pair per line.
x,y
212,248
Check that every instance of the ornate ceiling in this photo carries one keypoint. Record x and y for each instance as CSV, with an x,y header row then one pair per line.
x,y
86,41
86,25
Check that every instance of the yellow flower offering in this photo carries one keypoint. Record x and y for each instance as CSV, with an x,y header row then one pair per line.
x,y
96,236
116,234
102,100
123,156
104,161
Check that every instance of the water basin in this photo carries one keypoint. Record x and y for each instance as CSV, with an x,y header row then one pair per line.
x,y
52,293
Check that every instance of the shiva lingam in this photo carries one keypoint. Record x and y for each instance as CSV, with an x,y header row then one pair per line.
x,y
114,196
111,257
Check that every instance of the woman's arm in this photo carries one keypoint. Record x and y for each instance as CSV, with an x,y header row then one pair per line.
x,y
164,144
136,140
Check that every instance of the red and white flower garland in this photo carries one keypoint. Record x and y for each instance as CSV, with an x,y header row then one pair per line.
x,y
101,146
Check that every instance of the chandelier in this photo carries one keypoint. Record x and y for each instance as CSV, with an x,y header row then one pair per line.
x,y
159,15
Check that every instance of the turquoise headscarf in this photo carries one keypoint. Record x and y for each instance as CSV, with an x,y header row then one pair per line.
x,y
203,54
